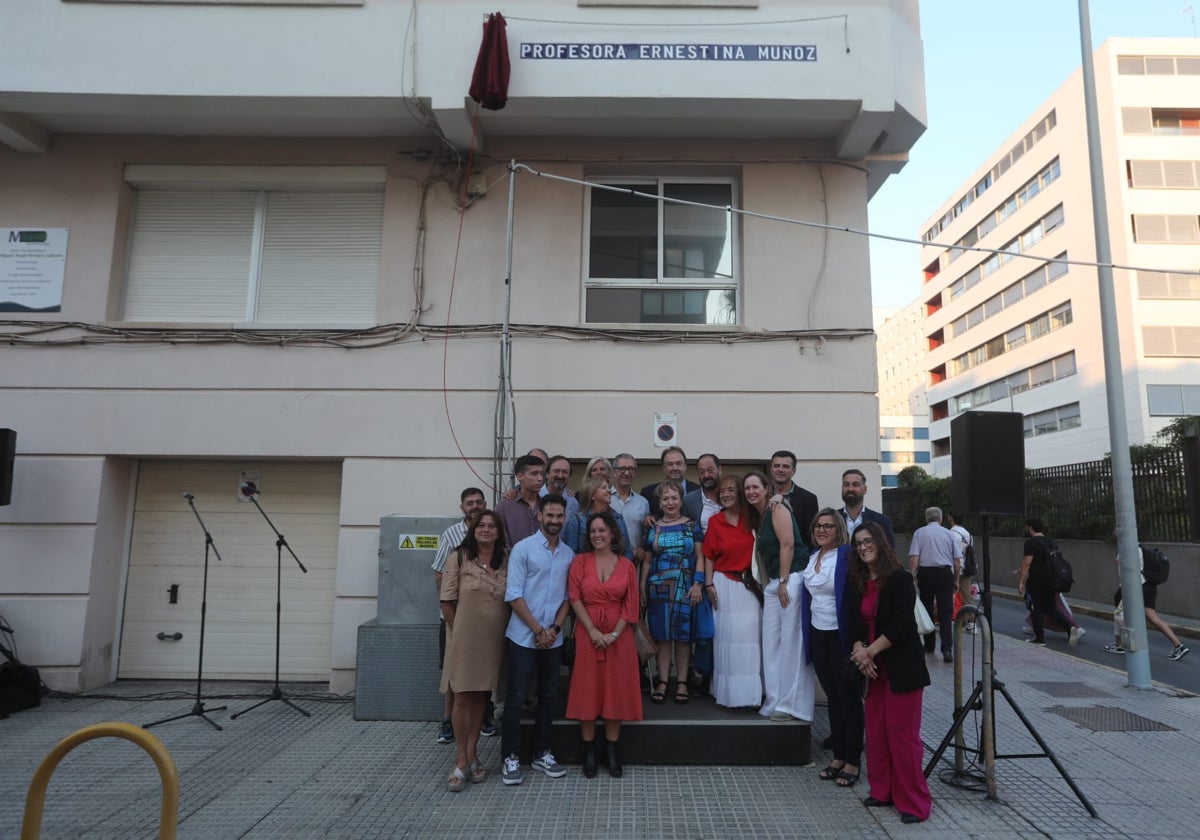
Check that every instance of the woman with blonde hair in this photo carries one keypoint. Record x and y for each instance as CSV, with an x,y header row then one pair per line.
x,y
595,496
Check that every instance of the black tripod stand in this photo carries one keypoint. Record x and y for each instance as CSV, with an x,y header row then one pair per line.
x,y
198,709
249,490
984,697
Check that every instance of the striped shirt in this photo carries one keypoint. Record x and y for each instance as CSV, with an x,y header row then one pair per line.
x,y
451,539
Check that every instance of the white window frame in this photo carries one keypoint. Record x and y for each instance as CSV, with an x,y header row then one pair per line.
x,y
262,180
655,184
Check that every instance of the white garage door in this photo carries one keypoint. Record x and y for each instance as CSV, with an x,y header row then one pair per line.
x,y
167,549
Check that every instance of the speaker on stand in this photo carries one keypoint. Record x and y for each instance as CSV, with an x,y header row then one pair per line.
x,y
987,459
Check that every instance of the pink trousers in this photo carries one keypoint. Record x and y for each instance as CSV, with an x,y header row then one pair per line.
x,y
894,751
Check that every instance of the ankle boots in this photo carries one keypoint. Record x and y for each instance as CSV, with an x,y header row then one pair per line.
x,y
589,759
614,762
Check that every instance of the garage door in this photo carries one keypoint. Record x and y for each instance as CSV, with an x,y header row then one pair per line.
x,y
167,550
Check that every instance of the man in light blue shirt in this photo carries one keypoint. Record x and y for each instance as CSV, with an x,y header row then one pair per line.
x,y
537,592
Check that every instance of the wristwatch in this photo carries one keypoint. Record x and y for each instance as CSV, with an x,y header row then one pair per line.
x,y
556,629
613,635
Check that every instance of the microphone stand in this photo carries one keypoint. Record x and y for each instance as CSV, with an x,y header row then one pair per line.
x,y
198,709
251,492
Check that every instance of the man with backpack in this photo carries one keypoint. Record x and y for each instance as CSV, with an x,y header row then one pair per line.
x,y
1154,568
969,565
1045,573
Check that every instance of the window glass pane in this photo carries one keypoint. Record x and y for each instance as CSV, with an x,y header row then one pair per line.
x,y
1034,282
624,234
1057,269
1164,400
697,241
661,306
1039,374
1191,400
1013,294
1064,366
991,306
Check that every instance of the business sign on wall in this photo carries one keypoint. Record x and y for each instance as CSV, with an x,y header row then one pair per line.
x,y
570,51
32,264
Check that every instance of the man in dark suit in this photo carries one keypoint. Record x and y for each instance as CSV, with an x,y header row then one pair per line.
x,y
674,464
854,491
701,503
803,503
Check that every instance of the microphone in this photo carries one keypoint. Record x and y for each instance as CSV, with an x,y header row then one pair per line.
x,y
187,495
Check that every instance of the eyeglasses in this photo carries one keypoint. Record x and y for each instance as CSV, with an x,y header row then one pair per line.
x,y
625,469
864,543
824,526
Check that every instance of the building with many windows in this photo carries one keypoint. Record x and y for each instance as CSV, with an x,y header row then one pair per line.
x,y
1018,330
903,414
276,250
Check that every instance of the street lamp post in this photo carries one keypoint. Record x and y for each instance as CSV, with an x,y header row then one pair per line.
x,y
1137,659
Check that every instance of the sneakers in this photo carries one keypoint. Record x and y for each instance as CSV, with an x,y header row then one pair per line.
x,y
488,730
1036,641
512,774
1073,636
549,766
445,733
1082,632
780,717
1114,649
1177,653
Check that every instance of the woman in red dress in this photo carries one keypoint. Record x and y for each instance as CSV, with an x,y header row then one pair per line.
x,y
602,587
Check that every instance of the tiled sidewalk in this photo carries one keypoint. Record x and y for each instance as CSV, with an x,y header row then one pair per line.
x,y
275,773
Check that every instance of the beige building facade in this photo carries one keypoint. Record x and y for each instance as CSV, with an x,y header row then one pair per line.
x,y
285,261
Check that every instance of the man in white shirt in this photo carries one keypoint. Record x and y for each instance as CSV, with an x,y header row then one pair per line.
x,y
935,559
967,577
629,504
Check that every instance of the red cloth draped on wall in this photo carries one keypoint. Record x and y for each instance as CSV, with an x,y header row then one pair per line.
x,y
489,82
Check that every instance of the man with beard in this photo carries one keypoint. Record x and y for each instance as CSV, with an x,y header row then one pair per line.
x,y
854,492
558,473
701,503
537,592
674,464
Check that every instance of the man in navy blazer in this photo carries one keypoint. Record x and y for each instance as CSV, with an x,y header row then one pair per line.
x,y
854,490
701,503
674,463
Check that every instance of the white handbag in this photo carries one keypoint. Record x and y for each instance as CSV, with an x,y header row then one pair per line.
x,y
924,622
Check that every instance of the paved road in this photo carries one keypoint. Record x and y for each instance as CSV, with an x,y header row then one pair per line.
x,y
1008,617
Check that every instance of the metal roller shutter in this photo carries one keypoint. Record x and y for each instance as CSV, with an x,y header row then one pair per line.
x,y
167,548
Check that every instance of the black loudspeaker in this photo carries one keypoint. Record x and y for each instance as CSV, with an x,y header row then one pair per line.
x,y
987,462
8,455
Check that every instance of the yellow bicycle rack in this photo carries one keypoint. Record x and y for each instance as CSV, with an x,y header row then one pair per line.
x,y
35,802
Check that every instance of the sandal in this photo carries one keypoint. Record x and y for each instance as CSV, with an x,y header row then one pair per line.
x,y
476,772
681,699
457,781
847,780
659,696
829,773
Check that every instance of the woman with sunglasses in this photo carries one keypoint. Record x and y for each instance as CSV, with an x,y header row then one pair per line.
x,y
824,620
890,655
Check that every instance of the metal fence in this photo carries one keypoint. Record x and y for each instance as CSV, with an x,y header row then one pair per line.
x,y
1076,500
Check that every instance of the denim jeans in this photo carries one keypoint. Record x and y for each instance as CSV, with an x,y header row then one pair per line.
x,y
522,662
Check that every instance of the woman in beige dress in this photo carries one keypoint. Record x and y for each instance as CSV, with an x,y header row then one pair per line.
x,y
476,615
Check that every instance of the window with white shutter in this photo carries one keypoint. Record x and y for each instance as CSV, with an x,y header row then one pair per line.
x,y
254,255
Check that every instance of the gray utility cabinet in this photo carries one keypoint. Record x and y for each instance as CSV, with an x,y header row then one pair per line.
x,y
397,662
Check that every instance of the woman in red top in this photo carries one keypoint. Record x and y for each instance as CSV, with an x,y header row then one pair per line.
x,y
736,600
603,590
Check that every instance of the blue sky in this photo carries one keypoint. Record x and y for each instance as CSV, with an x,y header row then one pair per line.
x,y
987,67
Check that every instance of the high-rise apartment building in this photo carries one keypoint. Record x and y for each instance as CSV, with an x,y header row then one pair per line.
x,y
903,413
1019,330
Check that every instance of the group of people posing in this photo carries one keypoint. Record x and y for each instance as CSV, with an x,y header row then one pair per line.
x,y
796,593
